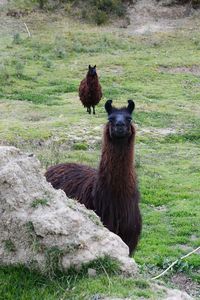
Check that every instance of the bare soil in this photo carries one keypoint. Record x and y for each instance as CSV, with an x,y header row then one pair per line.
x,y
184,283
150,16
194,70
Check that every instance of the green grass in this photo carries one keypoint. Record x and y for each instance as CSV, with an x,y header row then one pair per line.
x,y
38,202
72,285
40,112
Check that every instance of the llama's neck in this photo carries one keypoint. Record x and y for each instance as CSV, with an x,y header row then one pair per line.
x,y
92,81
116,168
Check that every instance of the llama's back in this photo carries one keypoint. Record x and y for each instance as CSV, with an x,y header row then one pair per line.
x,y
75,180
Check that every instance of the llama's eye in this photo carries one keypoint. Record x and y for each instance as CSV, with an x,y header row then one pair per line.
x,y
111,119
129,119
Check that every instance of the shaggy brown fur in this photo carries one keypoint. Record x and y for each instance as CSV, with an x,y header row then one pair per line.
x,y
90,90
75,180
111,191
115,193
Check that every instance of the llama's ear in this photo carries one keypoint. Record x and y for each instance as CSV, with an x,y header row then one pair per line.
x,y
131,106
108,106
89,67
95,67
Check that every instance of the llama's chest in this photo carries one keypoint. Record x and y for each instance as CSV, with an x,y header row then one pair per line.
x,y
92,91
114,203
116,217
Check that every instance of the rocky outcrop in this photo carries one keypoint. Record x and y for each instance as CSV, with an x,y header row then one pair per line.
x,y
41,227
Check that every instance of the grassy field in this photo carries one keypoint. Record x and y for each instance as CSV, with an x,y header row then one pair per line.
x,y
40,113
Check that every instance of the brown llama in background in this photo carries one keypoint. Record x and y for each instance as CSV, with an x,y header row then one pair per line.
x,y
90,90
111,190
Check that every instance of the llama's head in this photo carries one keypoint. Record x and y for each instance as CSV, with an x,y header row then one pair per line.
x,y
92,70
120,120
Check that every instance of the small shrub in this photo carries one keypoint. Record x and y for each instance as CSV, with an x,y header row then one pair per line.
x,y
100,17
100,11
17,39
41,3
48,64
68,8
121,11
60,52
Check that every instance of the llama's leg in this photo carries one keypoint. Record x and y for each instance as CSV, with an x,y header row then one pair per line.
x,y
133,241
93,110
89,110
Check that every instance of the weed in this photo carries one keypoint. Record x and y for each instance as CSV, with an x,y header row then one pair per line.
x,y
48,64
9,245
100,17
17,39
80,146
33,239
95,219
30,227
53,260
37,202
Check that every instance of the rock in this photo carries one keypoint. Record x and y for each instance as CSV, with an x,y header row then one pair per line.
x,y
177,295
41,227
92,272
171,294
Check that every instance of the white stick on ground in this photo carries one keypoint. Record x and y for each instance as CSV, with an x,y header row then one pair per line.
x,y
175,262
29,34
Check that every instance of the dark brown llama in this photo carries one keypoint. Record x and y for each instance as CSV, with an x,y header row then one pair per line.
x,y
90,90
111,191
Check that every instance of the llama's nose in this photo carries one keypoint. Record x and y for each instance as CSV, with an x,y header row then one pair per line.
x,y
120,124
